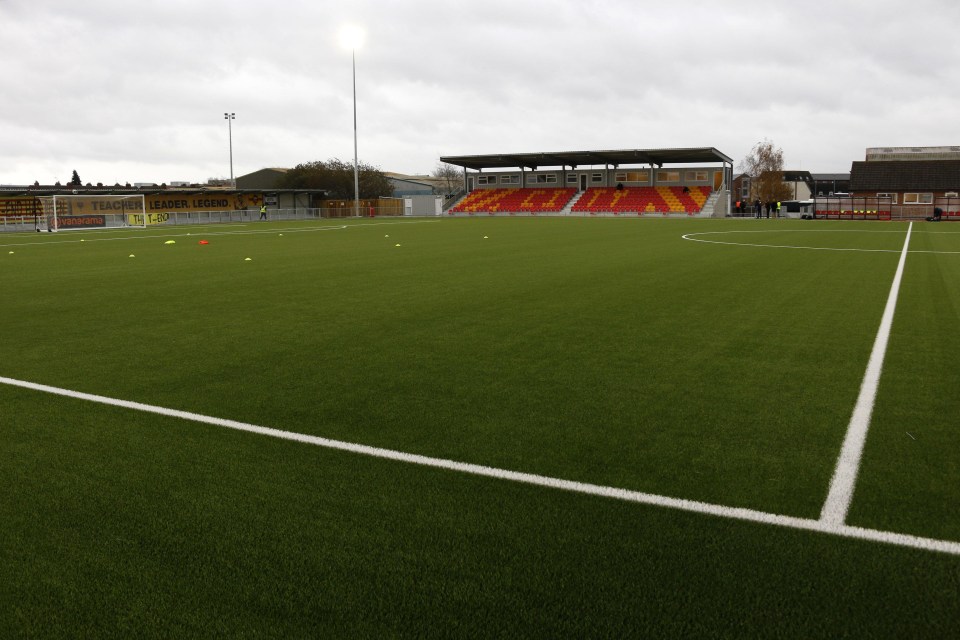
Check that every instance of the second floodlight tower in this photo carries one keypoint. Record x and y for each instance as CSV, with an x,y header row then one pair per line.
x,y
352,37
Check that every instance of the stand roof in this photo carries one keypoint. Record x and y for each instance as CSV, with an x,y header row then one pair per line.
x,y
656,157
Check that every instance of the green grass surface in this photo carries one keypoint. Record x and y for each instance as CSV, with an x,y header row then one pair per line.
x,y
608,351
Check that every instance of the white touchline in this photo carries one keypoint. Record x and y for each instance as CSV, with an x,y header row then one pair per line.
x,y
848,464
193,232
736,513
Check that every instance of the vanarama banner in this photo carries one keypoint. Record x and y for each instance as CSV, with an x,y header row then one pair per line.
x,y
81,222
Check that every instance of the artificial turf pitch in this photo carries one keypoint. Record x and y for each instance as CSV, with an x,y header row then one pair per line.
x,y
607,351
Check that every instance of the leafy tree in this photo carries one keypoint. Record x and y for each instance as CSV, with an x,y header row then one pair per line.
x,y
449,176
75,180
336,176
764,165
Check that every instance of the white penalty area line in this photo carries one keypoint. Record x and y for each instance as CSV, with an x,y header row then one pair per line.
x,y
837,505
692,506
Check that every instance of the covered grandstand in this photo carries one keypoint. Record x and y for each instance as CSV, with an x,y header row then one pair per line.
x,y
690,181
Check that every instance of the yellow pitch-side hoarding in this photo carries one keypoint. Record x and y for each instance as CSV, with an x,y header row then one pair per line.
x,y
155,205
169,203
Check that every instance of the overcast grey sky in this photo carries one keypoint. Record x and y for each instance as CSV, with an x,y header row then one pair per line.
x,y
136,91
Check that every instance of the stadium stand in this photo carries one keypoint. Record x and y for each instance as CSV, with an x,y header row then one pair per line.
x,y
517,200
642,200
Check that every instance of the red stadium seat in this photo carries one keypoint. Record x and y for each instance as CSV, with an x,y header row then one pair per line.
x,y
518,200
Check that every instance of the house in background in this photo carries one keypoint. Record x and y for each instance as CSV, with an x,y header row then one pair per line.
x,y
827,184
915,179
803,184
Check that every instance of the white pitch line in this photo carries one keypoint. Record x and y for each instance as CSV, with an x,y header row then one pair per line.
x,y
195,232
837,505
182,235
694,237
692,506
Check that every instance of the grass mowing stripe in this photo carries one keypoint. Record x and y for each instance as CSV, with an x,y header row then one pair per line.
x,y
737,513
848,464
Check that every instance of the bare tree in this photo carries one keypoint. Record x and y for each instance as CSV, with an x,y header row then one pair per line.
x,y
449,176
764,165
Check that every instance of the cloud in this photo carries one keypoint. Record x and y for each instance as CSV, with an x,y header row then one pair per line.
x,y
137,92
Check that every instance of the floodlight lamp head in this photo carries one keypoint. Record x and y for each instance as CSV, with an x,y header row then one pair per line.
x,y
352,37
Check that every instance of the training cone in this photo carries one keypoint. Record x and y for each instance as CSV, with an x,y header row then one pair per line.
x,y
11,253
484,237
247,259
397,245
203,242
131,256
387,236
170,242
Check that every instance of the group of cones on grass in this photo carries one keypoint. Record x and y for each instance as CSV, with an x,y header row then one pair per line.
x,y
200,242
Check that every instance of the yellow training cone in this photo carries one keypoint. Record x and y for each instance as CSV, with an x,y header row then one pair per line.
x,y
170,242
247,259
131,256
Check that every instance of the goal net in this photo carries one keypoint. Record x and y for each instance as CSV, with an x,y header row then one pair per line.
x,y
91,211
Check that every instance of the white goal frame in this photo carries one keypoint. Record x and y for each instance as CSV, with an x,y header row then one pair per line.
x,y
89,210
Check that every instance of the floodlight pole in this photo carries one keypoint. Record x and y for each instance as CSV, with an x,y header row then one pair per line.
x,y
229,117
356,163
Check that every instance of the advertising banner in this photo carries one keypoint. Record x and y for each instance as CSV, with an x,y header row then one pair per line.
x,y
81,222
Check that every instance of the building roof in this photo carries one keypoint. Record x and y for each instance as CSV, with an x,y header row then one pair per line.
x,y
657,157
905,175
8,191
830,176
912,153
797,175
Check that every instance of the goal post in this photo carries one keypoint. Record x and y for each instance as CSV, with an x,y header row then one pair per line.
x,y
91,211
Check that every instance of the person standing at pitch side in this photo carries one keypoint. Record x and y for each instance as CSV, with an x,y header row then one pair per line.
x,y
263,211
